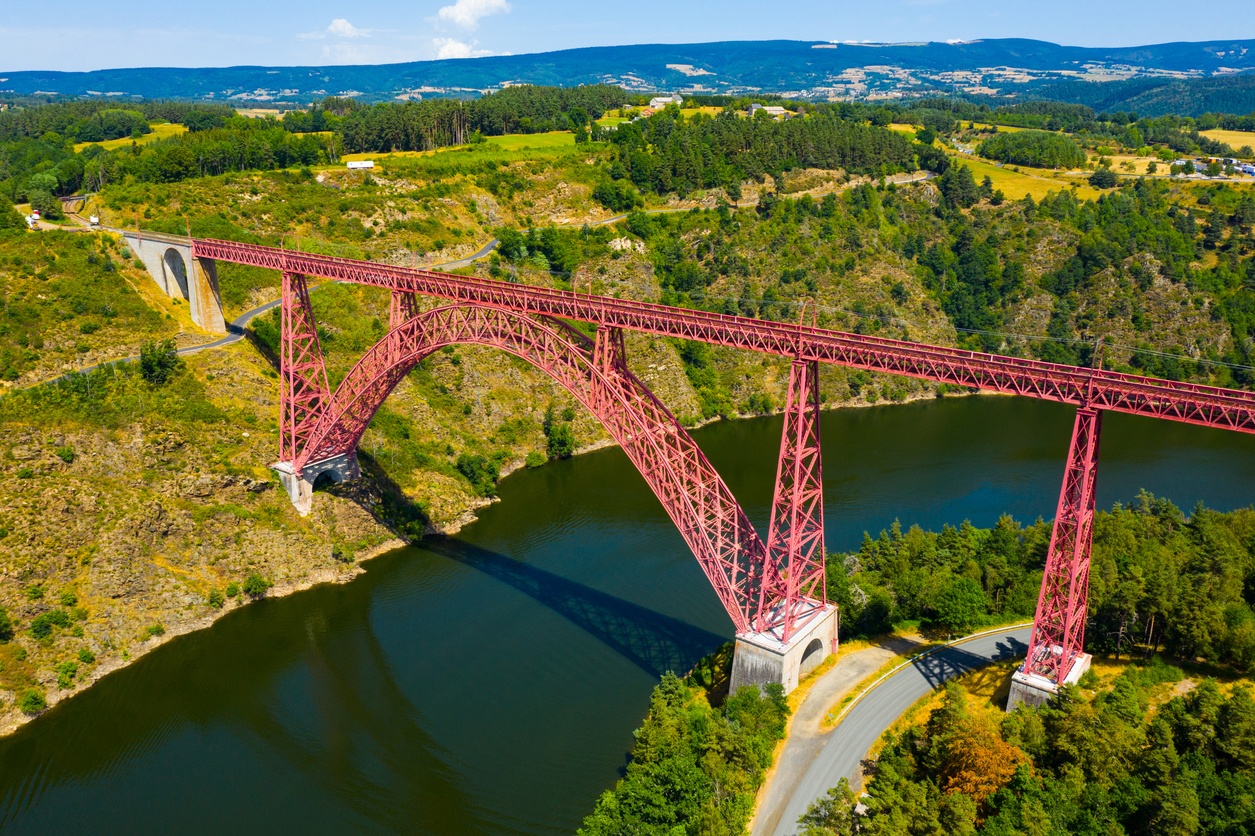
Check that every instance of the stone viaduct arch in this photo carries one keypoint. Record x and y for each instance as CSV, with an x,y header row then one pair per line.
x,y
181,275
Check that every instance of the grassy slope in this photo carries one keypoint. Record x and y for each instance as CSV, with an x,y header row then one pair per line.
x,y
74,299
164,497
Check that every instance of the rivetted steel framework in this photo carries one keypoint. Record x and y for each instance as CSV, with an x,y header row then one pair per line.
x,y
762,586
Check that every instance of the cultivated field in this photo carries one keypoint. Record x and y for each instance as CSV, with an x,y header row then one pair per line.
x,y
1234,139
160,131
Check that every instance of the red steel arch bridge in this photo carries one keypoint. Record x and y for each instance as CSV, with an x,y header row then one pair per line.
x,y
772,590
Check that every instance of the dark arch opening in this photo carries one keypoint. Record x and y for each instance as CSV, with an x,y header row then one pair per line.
x,y
176,269
811,657
325,479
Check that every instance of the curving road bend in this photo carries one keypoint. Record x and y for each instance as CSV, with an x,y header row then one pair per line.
x,y
842,749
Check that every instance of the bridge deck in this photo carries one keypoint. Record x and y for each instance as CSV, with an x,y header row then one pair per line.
x,y
1171,400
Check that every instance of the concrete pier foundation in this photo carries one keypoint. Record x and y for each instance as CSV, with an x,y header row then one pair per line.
x,y
761,658
300,489
1033,690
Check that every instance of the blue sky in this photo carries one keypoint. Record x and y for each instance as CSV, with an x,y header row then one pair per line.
x,y
138,33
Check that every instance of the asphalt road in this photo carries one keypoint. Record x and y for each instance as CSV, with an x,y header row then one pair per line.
x,y
849,743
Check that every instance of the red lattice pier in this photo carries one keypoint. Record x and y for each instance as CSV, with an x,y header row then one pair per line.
x,y
770,587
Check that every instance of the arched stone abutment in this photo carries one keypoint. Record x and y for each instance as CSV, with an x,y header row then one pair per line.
x,y
300,487
180,275
709,518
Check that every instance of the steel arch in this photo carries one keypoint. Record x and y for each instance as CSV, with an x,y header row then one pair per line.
x,y
696,498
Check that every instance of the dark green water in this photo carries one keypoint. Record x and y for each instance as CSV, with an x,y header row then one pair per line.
x,y
489,684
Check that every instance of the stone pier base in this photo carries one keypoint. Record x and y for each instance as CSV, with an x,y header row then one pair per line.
x,y
1033,690
301,489
761,658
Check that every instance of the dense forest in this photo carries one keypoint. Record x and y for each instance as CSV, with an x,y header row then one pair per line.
x,y
435,123
1159,579
667,154
84,121
1036,148
1079,765
694,768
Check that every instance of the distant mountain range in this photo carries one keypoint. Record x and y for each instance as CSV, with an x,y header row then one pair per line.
x,y
807,69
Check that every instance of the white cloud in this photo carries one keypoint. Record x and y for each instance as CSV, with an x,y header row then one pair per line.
x,y
453,48
466,13
338,28
341,28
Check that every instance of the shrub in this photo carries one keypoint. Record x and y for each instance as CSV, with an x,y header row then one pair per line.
x,y
158,361
66,671
155,630
34,592
42,624
215,599
6,626
561,442
617,196
68,598
481,472
534,459
1103,178
32,702
86,656
65,454
233,589
255,585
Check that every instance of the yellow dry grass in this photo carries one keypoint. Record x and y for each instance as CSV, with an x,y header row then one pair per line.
x,y
160,131
509,142
1234,139
1038,182
1140,165
1002,129
259,112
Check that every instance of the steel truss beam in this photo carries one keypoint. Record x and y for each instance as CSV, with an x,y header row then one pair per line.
x,y
404,306
1110,391
1059,626
795,586
303,377
728,549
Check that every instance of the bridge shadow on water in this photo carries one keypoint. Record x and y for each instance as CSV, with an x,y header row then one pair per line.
x,y
952,661
654,642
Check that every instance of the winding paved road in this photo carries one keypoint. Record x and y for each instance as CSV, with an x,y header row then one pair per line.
x,y
818,760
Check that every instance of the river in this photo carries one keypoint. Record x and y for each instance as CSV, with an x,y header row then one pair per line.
x,y
490,683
